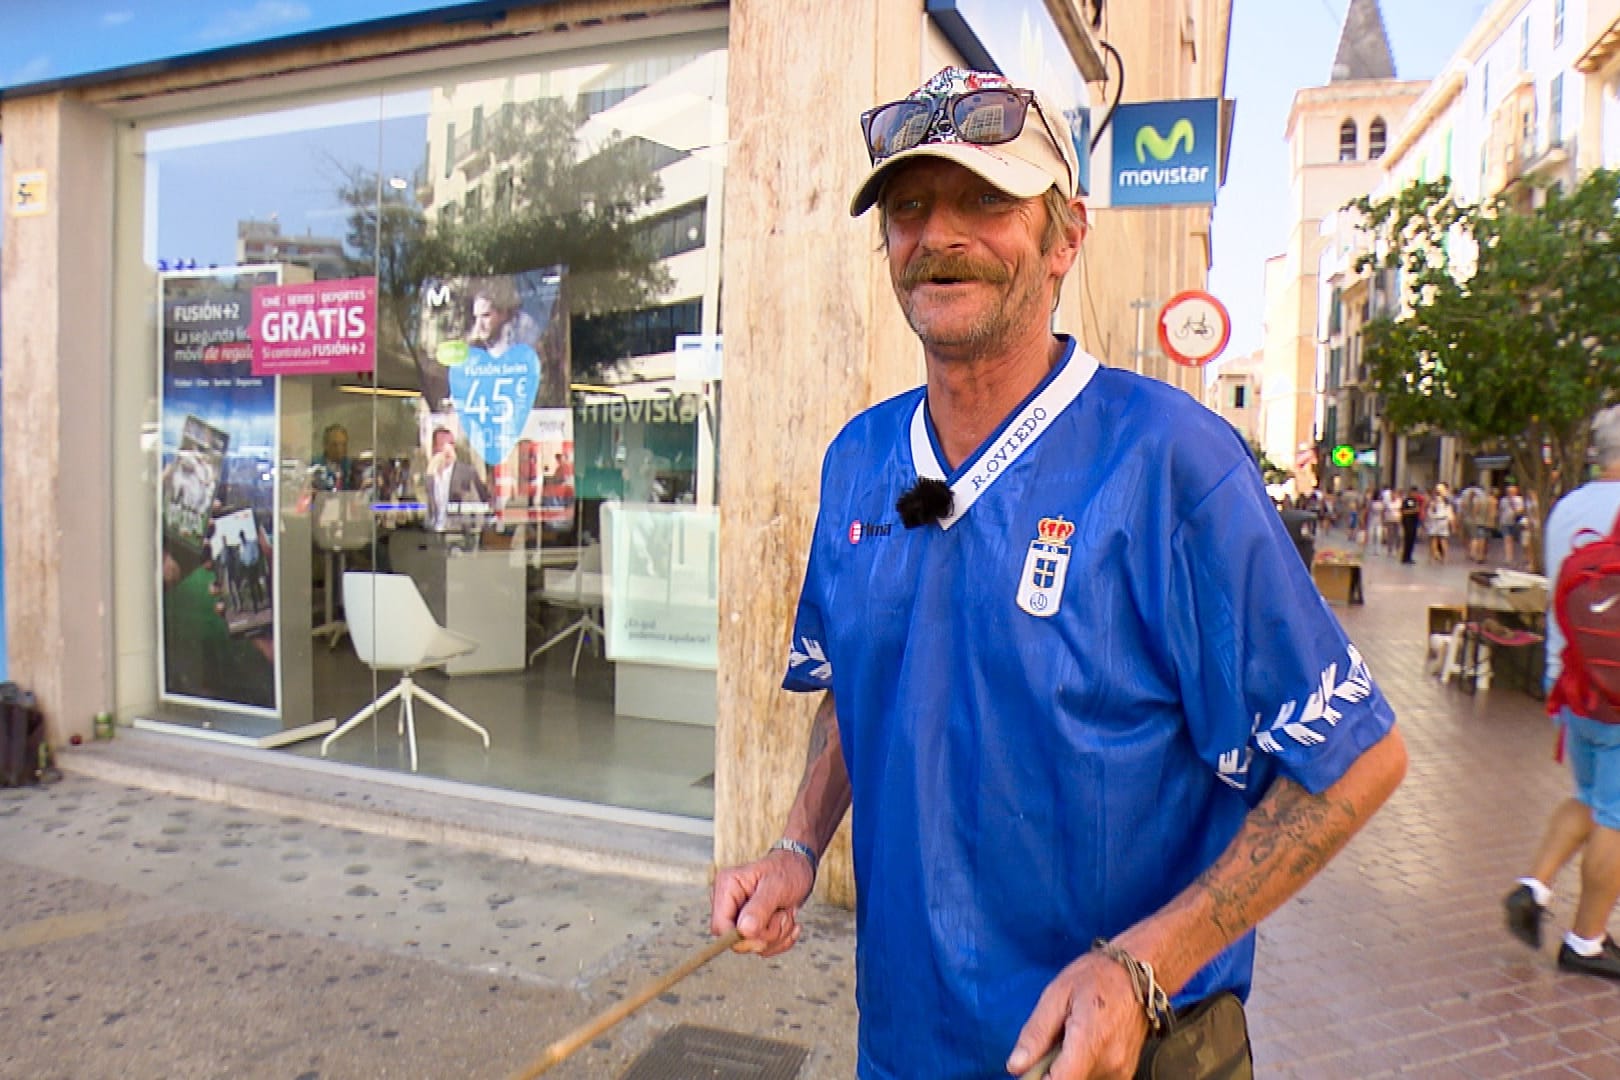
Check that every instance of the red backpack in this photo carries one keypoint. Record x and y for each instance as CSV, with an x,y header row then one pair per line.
x,y
1586,603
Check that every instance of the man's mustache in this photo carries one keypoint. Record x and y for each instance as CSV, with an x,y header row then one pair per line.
x,y
925,269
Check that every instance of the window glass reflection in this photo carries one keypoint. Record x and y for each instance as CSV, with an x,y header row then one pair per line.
x,y
540,238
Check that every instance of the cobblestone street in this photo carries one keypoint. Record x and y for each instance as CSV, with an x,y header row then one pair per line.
x,y
1395,961
149,935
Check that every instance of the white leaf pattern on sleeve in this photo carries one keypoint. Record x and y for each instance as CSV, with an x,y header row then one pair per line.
x,y
813,654
1319,713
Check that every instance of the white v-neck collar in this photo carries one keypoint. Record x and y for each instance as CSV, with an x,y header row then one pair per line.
x,y
1016,436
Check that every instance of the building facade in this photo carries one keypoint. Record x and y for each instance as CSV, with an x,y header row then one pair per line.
x,y
564,208
1523,103
1235,394
1337,134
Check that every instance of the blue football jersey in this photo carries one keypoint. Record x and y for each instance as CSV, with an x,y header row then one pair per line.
x,y
1058,703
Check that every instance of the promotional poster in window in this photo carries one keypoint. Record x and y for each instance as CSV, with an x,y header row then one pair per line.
x,y
498,433
216,495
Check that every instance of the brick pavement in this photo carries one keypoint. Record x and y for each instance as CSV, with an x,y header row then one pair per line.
x,y
1394,962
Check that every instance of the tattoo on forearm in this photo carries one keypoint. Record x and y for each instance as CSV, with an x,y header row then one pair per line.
x,y
824,794
818,741
1291,833
821,736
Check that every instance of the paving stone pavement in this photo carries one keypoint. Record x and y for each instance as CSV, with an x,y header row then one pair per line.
x,y
150,935
1394,961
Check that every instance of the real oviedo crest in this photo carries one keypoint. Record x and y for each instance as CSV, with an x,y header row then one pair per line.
x,y
1040,587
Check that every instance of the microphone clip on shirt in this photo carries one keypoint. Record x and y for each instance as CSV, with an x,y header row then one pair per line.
x,y
925,502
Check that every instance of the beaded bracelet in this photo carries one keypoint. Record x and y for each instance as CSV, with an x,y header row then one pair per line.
x,y
797,848
1152,996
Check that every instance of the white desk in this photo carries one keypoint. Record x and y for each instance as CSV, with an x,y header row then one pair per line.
x,y
477,593
662,608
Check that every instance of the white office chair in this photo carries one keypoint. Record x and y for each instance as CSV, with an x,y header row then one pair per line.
x,y
341,522
580,590
393,630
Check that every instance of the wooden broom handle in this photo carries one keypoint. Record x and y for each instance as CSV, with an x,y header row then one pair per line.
x,y
1039,1070
570,1044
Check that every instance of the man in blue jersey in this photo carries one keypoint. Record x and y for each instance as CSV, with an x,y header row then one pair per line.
x,y
1093,718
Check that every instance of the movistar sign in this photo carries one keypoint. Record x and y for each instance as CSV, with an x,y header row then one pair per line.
x,y
1166,153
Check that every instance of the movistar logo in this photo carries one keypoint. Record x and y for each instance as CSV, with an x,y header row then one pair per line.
x,y
1149,141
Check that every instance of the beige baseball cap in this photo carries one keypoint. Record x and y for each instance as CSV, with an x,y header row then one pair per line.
x,y
1041,156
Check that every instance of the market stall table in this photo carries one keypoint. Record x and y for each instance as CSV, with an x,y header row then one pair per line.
x,y
1338,577
1506,613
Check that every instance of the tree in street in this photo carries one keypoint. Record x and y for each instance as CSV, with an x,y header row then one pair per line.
x,y
1510,328
1270,471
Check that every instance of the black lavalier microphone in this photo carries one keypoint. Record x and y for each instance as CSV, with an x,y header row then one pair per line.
x,y
925,502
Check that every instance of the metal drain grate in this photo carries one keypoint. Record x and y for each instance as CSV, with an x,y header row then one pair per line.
x,y
687,1052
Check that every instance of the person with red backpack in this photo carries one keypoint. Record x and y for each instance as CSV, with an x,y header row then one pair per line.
x,y
1583,677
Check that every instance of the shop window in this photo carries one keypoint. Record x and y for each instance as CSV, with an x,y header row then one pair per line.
x,y
519,227
1347,141
1377,138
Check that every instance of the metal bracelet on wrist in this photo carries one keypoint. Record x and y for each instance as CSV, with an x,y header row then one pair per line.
x,y
797,848
1155,1002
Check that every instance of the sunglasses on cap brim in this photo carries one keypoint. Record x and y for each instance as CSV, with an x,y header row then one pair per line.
x,y
981,117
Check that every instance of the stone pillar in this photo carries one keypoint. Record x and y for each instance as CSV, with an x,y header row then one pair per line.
x,y
813,335
56,410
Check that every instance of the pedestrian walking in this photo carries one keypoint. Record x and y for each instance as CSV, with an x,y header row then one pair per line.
x,y
1354,503
1510,522
1437,520
1392,522
1372,533
1589,821
1478,518
1067,817
1411,515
